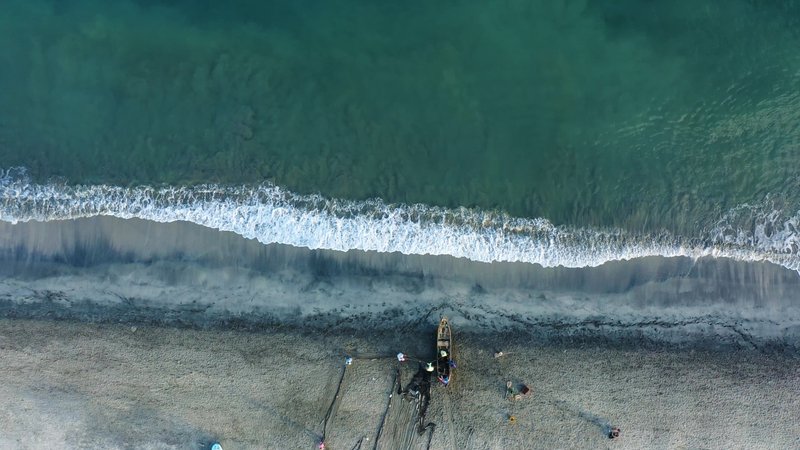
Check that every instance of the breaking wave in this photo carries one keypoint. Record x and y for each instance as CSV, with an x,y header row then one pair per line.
x,y
271,214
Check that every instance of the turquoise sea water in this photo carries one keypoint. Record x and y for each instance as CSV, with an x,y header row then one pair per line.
x,y
603,128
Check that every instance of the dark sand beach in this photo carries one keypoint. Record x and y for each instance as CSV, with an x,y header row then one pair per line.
x,y
180,273
132,334
77,385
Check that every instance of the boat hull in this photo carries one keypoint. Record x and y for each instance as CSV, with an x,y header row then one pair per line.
x,y
444,352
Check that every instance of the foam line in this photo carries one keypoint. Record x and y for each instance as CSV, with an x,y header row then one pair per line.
x,y
271,214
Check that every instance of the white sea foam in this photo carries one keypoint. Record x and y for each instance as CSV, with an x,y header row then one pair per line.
x,y
764,226
271,214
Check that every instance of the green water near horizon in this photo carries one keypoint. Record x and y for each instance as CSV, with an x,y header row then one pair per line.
x,y
638,114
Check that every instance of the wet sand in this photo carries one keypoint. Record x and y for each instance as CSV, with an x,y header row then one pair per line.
x,y
77,385
130,334
104,269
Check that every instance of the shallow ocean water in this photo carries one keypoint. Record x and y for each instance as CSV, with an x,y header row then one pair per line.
x,y
640,115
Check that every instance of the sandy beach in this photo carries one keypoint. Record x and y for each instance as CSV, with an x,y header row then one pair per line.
x,y
106,269
76,385
130,334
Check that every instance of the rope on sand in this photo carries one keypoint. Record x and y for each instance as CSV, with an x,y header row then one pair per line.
x,y
334,402
358,444
386,411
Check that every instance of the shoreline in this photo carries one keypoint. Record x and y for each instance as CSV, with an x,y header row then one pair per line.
x,y
118,333
105,269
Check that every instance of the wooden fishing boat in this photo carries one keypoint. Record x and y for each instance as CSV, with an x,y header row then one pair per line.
x,y
444,352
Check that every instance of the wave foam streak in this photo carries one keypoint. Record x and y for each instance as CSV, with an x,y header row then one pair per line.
x,y
271,214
